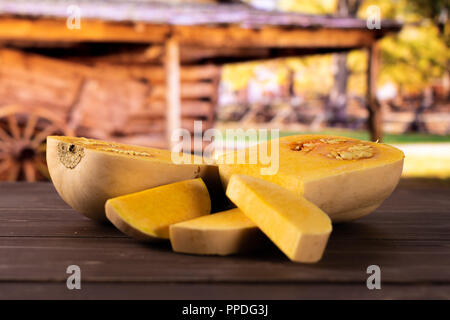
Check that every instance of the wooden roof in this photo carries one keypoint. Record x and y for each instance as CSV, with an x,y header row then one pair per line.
x,y
208,25
181,14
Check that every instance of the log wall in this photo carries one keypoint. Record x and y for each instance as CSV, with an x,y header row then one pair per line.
x,y
122,102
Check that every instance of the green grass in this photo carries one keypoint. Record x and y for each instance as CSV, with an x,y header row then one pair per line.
x,y
387,138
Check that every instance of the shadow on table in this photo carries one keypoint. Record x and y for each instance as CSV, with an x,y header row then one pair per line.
x,y
343,241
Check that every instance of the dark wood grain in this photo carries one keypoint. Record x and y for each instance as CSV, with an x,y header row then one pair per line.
x,y
227,291
408,237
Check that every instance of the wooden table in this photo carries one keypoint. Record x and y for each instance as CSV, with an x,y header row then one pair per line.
x,y
40,236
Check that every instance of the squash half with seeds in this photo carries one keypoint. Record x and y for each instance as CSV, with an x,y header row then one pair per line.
x,y
346,178
87,172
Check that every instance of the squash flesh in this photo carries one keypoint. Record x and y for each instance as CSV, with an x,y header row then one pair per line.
x,y
298,227
222,233
152,211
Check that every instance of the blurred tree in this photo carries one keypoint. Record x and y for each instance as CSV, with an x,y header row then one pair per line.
x,y
337,103
435,10
438,11
419,54
412,60
308,6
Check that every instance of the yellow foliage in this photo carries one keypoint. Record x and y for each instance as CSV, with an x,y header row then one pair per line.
x,y
308,6
412,58
436,167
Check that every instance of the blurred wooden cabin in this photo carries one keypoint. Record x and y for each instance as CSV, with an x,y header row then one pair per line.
x,y
133,71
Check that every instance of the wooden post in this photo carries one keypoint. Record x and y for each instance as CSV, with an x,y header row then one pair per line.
x,y
214,100
375,120
173,99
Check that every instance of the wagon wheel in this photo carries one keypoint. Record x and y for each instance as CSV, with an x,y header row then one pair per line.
x,y
23,133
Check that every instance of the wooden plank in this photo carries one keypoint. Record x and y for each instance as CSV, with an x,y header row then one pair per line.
x,y
187,90
21,195
21,200
407,237
401,261
151,126
187,13
220,291
266,37
172,90
91,30
153,140
205,35
143,126
105,104
65,224
156,73
36,81
189,108
98,100
264,53
192,55
15,63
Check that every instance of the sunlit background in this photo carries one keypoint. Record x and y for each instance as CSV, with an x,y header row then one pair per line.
x,y
413,85
115,90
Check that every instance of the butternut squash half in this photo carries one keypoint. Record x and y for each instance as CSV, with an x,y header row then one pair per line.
x,y
347,178
87,172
